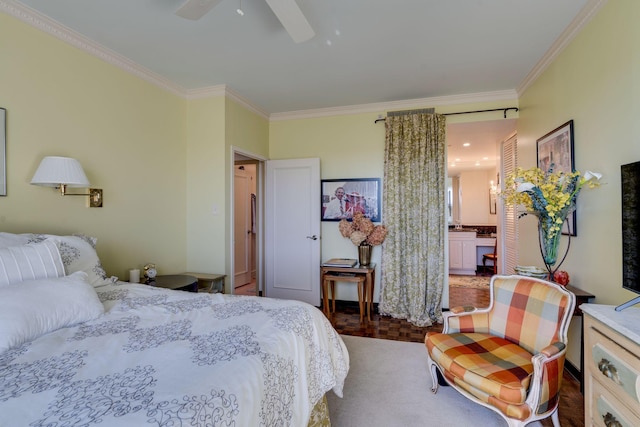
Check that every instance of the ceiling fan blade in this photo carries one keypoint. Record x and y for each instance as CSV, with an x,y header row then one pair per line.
x,y
196,9
292,19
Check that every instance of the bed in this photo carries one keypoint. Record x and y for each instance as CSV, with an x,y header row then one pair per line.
x,y
78,348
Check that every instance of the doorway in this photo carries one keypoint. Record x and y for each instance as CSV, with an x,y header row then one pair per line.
x,y
244,235
475,163
246,230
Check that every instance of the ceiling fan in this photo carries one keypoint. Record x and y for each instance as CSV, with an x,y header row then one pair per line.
x,y
287,11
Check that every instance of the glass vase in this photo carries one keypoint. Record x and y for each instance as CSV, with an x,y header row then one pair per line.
x,y
549,249
548,246
364,254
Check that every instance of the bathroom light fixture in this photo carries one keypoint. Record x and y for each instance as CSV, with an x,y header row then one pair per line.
x,y
63,172
239,9
493,189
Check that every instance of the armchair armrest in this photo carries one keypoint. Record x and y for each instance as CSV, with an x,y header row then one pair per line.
x,y
548,366
553,349
466,319
462,309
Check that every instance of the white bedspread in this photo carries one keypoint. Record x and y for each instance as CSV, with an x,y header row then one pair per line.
x,y
172,358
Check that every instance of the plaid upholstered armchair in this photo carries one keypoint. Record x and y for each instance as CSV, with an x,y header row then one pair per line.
x,y
510,356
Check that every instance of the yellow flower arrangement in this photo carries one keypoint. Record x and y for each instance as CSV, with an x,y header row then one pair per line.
x,y
550,196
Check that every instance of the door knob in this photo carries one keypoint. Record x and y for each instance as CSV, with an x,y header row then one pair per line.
x,y
314,237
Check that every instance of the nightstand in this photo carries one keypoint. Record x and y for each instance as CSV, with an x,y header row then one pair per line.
x,y
178,282
210,282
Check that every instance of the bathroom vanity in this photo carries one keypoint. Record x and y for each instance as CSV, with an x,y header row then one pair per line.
x,y
466,247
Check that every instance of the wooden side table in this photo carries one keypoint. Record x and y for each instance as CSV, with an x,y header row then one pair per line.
x,y
582,297
212,282
369,273
330,279
179,282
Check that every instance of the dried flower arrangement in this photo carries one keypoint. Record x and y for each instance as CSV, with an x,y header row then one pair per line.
x,y
361,230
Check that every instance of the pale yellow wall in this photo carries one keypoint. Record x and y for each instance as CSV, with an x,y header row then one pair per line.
x,y
597,86
595,82
474,209
246,129
205,191
128,134
215,127
247,132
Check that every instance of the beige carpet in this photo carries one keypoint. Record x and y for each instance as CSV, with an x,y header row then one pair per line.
x,y
388,386
474,282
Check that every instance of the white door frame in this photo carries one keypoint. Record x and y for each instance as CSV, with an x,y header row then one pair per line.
x,y
242,181
259,215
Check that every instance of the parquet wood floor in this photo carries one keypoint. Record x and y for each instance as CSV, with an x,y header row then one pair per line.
x,y
346,320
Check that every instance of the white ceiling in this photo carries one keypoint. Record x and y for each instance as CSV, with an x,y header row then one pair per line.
x,y
364,51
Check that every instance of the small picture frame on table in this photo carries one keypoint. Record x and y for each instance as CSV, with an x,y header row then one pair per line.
x,y
556,148
341,198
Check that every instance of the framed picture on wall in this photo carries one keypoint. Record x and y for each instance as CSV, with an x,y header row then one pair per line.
x,y
341,198
555,149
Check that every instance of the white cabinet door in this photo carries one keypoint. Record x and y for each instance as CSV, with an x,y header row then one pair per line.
x,y
462,252
455,254
469,254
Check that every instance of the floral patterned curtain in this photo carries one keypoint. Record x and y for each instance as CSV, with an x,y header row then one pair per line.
x,y
414,211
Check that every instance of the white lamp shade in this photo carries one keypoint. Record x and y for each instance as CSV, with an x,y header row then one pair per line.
x,y
54,171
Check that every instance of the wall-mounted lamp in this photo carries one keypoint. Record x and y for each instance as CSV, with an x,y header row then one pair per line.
x,y
63,172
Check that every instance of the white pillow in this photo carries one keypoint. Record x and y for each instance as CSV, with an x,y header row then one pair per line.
x,y
30,262
37,307
78,253
10,239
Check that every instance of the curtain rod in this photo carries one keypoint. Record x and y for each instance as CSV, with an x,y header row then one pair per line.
x,y
504,110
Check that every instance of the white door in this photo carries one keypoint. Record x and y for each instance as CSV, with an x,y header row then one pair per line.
x,y
242,227
292,230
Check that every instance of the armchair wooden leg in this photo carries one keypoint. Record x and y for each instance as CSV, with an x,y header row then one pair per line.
x,y
434,377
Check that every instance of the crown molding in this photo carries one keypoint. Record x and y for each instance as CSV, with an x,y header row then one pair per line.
x,y
230,93
206,92
226,91
54,28
503,95
578,23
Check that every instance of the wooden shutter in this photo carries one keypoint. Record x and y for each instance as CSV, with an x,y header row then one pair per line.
x,y
508,259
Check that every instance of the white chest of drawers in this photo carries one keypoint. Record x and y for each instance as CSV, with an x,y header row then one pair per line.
x,y
612,366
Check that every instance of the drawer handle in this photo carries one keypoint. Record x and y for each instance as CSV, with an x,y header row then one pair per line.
x,y
610,420
609,370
